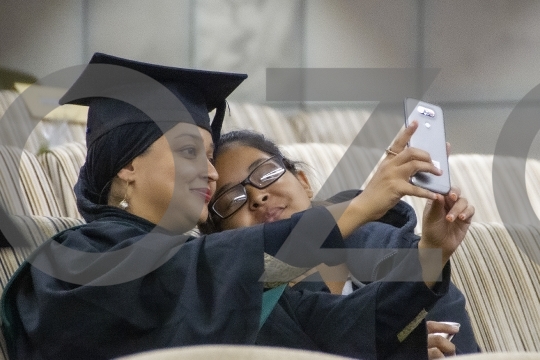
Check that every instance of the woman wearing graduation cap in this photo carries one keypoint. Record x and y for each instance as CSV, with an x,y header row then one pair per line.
x,y
129,281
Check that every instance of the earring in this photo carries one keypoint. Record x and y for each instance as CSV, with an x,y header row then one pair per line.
x,y
124,204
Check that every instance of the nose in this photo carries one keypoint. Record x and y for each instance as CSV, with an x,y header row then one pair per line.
x,y
212,172
256,197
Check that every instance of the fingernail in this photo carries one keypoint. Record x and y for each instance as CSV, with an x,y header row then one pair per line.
x,y
454,196
455,326
462,217
450,218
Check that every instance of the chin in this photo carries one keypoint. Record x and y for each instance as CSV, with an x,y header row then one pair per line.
x,y
203,217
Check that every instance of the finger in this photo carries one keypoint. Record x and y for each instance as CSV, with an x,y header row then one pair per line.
x,y
452,197
390,152
434,353
401,141
461,210
467,214
417,191
411,154
416,166
434,209
441,327
454,193
448,148
444,345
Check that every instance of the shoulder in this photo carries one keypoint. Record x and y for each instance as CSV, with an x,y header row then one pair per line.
x,y
99,235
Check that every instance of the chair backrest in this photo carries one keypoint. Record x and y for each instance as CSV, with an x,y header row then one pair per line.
x,y
25,189
340,126
19,128
35,229
498,270
16,124
473,173
62,164
263,119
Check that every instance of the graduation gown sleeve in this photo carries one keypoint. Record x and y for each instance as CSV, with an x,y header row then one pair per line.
x,y
386,240
208,291
378,321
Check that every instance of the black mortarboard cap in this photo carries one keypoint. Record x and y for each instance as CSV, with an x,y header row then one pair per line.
x,y
120,91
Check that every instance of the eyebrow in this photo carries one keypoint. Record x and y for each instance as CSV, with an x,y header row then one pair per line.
x,y
190,135
229,185
196,137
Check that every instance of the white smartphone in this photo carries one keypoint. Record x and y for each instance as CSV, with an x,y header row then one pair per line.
x,y
430,136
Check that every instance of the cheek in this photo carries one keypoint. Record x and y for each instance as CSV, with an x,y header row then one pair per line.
x,y
301,200
160,178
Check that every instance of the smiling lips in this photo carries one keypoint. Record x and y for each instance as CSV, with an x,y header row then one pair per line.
x,y
205,193
273,214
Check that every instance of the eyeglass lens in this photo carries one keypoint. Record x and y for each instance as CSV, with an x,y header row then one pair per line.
x,y
262,176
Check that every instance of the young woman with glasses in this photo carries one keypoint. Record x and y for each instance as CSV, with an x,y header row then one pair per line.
x,y
257,184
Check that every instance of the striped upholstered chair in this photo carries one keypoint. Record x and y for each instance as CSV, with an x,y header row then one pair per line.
x,y
27,195
62,164
264,119
35,229
46,130
498,270
339,125
474,173
25,189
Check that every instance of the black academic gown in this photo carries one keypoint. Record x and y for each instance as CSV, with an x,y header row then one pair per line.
x,y
383,320
207,292
395,231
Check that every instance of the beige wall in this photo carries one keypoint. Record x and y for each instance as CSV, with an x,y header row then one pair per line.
x,y
487,50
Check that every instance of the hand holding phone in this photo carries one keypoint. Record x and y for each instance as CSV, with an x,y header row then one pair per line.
x,y
430,136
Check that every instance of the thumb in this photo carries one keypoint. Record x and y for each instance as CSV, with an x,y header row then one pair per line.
x,y
434,209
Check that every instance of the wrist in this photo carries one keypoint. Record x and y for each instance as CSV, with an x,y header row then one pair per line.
x,y
370,208
429,245
350,215
432,260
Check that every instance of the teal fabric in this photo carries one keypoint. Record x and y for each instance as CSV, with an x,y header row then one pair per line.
x,y
270,299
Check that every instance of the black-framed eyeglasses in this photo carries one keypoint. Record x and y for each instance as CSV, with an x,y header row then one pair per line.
x,y
262,176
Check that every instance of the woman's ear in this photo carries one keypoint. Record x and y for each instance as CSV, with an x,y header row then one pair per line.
x,y
127,173
302,177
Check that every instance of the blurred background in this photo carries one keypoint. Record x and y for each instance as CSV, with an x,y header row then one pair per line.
x,y
487,51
